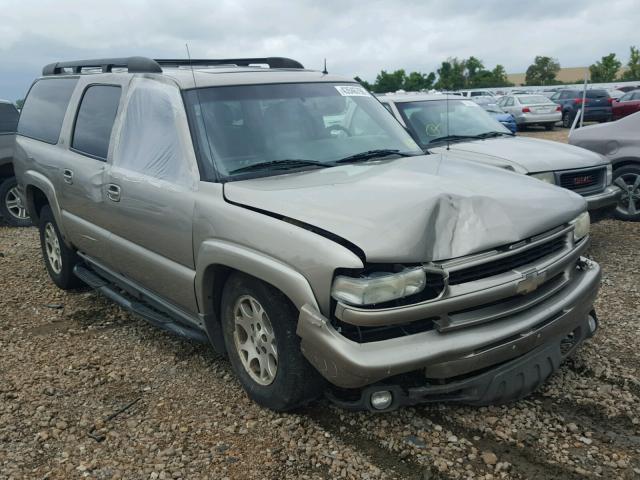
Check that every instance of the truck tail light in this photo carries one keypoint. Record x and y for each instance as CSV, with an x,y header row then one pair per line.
x,y
577,101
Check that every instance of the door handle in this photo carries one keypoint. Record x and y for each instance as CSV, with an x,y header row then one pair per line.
x,y
67,175
113,192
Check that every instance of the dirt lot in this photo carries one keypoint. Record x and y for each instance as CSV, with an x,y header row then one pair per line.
x,y
70,361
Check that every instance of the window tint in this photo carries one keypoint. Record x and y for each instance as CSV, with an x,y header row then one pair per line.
x,y
533,99
8,118
626,97
95,119
509,102
44,109
636,96
597,94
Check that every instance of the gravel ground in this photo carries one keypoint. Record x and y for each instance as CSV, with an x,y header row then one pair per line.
x,y
88,390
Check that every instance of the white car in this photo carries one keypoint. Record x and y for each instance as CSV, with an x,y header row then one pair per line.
x,y
439,123
531,109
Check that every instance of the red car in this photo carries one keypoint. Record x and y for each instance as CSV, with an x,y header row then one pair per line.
x,y
626,105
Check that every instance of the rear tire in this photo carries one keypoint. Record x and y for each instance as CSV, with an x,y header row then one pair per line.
x,y
566,120
628,179
550,126
58,258
12,209
259,327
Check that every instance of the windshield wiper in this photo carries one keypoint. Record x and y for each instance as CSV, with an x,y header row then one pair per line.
x,y
283,164
372,154
493,134
453,137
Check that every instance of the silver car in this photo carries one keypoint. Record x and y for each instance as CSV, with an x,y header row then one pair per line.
x,y
619,141
441,124
284,216
532,109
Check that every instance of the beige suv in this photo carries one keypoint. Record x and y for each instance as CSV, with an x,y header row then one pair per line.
x,y
284,216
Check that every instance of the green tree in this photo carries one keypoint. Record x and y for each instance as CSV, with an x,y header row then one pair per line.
x,y
475,72
451,75
389,82
605,70
633,65
499,75
364,83
417,81
542,71
19,103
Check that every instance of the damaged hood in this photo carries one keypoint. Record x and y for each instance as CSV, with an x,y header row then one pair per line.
x,y
525,155
414,209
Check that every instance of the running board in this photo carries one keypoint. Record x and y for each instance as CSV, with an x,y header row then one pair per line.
x,y
152,315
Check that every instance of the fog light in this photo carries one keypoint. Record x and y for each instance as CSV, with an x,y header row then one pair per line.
x,y
593,324
381,400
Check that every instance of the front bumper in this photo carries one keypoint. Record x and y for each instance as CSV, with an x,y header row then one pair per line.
x,y
349,364
608,198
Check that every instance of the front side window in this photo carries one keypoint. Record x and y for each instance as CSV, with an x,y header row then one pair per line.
x,y
265,127
95,119
432,121
509,102
8,118
44,108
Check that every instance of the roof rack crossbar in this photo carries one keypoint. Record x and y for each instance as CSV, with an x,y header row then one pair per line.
x,y
132,64
273,62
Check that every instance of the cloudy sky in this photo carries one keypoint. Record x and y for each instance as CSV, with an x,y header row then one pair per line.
x,y
357,37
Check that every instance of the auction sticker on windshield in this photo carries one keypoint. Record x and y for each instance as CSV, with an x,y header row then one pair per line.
x,y
351,91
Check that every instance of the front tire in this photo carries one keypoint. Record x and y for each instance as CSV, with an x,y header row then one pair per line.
x,y
259,326
58,258
628,179
12,209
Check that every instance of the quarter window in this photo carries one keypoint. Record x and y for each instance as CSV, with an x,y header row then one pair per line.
x,y
95,119
45,107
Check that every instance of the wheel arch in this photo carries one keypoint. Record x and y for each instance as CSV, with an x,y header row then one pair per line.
x,y
218,259
625,161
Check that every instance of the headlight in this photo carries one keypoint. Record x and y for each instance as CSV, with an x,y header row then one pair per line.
x,y
609,174
378,287
581,225
547,177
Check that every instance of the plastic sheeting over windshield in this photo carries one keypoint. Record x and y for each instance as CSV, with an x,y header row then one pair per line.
x,y
154,135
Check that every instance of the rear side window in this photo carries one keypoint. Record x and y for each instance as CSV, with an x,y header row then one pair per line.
x,y
44,109
597,94
95,119
8,118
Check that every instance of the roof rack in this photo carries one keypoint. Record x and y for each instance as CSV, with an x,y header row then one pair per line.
x,y
273,62
132,64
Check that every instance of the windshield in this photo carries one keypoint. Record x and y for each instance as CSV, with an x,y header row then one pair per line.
x,y
427,120
273,128
533,99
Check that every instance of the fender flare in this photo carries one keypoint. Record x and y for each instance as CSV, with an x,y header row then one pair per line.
x,y
32,179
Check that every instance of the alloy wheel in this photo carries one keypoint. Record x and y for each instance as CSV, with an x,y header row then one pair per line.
x,y
629,203
52,246
14,204
255,340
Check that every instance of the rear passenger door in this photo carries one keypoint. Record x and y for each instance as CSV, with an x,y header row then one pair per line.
x,y
151,180
83,174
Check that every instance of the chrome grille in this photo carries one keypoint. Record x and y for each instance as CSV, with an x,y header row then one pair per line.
x,y
582,180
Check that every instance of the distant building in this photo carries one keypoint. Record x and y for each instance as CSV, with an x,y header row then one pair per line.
x,y
566,75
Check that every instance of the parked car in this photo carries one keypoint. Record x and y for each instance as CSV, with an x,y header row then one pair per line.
x,y
620,143
12,209
530,109
471,132
475,93
626,105
489,105
628,88
285,216
597,106
615,93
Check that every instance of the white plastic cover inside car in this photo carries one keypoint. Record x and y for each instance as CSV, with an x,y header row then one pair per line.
x,y
154,135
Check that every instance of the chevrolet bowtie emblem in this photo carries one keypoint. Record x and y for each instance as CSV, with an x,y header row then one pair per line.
x,y
531,280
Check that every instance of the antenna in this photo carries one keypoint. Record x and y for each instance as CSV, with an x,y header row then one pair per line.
x,y
186,45
448,134
324,71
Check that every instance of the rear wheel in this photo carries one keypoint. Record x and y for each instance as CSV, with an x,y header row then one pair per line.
x,y
566,120
58,258
259,325
628,179
550,126
11,206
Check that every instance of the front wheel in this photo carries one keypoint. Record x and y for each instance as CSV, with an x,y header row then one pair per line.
x,y
628,179
58,258
259,326
11,206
